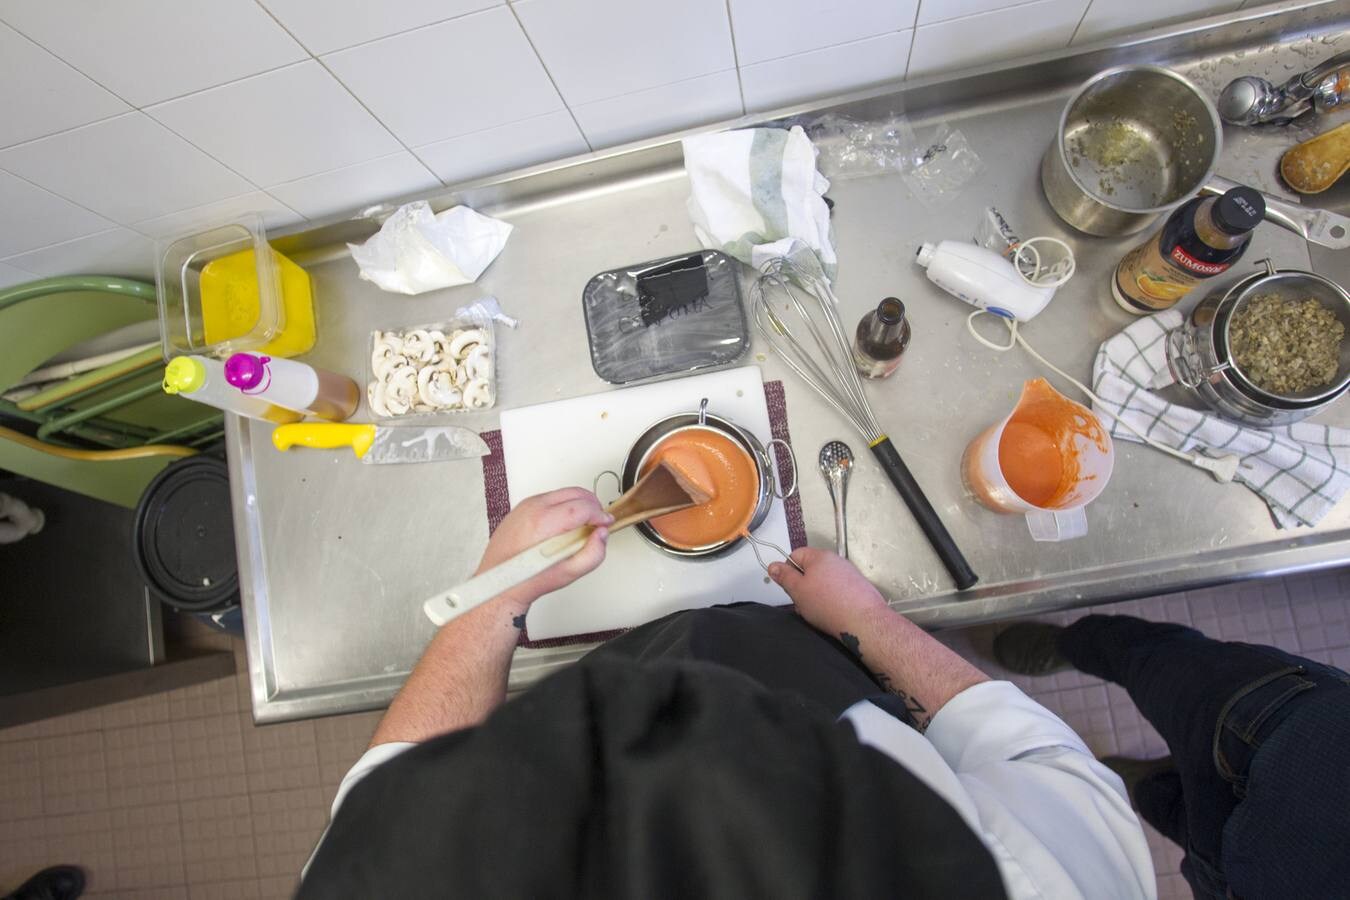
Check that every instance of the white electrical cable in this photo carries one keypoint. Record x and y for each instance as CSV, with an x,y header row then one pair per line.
x,y
1223,468
1042,276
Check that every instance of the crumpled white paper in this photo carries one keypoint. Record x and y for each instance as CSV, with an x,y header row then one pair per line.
x,y
416,251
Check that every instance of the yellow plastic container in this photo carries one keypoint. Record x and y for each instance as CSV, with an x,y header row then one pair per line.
x,y
226,290
231,303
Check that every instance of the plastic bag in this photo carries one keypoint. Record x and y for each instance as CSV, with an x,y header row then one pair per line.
x,y
856,148
416,251
943,168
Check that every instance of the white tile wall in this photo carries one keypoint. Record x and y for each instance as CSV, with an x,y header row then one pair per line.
x,y
321,195
512,146
669,107
280,125
127,168
40,94
1022,29
596,49
122,121
35,218
444,80
769,29
1106,19
327,25
119,249
828,71
150,50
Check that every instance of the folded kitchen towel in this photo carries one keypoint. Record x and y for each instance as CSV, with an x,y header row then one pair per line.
x,y
1300,470
755,192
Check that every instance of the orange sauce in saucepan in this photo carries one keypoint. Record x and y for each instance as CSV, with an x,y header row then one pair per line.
x,y
731,476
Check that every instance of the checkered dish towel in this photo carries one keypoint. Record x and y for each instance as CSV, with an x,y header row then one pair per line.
x,y
1300,470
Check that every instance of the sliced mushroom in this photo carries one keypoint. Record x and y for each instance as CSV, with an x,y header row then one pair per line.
x,y
477,394
464,341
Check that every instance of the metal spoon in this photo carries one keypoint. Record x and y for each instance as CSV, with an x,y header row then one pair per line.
x,y
836,463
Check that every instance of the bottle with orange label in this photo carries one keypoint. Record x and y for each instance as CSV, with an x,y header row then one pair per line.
x,y
1201,239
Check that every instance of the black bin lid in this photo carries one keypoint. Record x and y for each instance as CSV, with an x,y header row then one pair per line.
x,y
184,536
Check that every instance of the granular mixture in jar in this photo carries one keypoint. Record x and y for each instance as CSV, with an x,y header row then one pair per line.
x,y
1285,346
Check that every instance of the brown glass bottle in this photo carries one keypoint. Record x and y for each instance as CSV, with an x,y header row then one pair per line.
x,y
883,334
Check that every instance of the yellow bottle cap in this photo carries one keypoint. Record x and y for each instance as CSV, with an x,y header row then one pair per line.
x,y
183,374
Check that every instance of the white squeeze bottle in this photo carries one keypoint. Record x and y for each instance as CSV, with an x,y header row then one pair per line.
x,y
202,379
294,385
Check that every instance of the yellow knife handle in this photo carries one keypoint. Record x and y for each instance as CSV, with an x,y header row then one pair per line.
x,y
325,436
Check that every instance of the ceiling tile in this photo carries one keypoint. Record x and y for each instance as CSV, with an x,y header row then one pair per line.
x,y
149,50
769,29
660,110
538,140
327,25
279,126
357,186
117,251
426,87
40,95
31,217
819,73
127,168
276,215
596,49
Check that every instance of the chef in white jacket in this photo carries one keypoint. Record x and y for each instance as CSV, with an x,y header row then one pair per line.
x,y
1057,822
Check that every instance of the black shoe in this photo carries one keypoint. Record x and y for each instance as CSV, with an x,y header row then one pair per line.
x,y
56,883
1030,648
1132,771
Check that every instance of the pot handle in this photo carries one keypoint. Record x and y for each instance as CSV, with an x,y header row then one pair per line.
x,y
618,482
1181,358
783,493
1184,363
1318,226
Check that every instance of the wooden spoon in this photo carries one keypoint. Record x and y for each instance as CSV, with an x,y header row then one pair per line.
x,y
1316,164
669,486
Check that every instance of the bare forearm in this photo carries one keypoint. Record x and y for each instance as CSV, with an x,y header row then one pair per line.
x,y
461,678
906,660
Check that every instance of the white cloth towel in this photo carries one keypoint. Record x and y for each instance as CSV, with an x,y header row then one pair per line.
x,y
1300,470
755,192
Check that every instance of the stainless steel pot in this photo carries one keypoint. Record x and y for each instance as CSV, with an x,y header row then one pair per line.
x,y
770,487
1135,142
1198,357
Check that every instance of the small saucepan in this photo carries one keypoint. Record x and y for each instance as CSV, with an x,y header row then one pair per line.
x,y
767,482
1136,142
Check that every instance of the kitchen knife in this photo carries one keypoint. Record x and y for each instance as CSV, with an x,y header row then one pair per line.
x,y
379,444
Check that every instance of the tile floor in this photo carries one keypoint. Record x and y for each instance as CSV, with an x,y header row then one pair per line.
x,y
180,795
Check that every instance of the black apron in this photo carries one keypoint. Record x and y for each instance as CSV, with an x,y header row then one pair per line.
x,y
641,772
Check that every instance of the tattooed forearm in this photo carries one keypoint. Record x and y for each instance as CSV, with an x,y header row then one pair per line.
x,y
917,714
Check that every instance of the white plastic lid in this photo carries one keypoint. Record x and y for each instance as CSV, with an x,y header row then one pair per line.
x,y
925,255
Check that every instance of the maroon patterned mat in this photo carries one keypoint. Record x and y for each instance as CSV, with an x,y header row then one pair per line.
x,y
498,498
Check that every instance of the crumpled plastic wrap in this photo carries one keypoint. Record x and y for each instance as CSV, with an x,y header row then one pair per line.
x,y
417,251
935,165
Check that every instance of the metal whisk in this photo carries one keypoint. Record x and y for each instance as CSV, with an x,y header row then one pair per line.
x,y
796,311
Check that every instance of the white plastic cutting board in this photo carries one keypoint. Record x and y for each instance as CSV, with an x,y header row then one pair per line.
x,y
569,442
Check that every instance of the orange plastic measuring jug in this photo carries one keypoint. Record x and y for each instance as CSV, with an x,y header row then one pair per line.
x,y
1047,460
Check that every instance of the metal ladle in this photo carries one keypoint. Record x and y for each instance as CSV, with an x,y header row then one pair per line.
x,y
836,464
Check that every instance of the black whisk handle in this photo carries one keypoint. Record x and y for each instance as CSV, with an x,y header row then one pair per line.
x,y
924,514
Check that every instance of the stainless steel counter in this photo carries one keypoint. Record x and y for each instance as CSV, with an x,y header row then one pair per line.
x,y
337,557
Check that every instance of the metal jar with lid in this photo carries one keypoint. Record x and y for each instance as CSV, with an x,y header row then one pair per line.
x,y
1198,353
